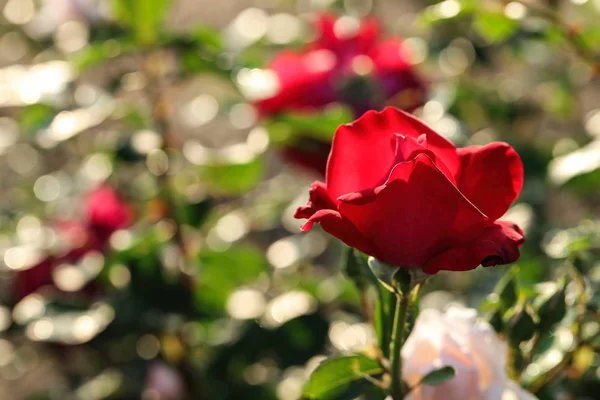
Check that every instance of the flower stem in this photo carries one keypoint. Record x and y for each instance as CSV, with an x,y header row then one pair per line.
x,y
400,314
156,68
161,115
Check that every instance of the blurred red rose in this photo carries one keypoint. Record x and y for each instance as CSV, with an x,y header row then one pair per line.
x,y
398,191
104,213
347,63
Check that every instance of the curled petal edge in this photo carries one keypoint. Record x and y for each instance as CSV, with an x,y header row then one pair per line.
x,y
499,244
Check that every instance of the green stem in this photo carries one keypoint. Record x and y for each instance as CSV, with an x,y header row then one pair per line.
x,y
396,345
384,309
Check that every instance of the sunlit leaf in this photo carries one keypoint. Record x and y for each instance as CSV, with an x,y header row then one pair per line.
x,y
319,125
494,26
100,52
233,178
34,117
142,16
335,374
222,272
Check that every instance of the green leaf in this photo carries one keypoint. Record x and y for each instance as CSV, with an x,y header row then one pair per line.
x,y
200,51
208,37
521,326
507,290
495,320
100,52
335,374
222,272
494,26
192,62
318,125
580,259
233,178
590,37
549,353
142,16
551,308
558,100
439,12
439,376
34,117
196,213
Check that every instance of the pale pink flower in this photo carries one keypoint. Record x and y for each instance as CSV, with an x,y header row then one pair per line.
x,y
470,345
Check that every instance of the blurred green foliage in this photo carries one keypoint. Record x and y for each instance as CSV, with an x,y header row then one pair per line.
x,y
143,97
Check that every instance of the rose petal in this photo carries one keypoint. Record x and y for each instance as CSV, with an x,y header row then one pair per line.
x,y
418,212
498,244
335,224
491,177
485,346
458,338
321,208
361,155
407,148
319,199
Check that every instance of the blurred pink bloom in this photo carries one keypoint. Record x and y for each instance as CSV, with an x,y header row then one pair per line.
x,y
164,382
470,345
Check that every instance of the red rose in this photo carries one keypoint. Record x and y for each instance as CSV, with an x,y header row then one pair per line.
x,y
78,240
398,191
106,212
347,63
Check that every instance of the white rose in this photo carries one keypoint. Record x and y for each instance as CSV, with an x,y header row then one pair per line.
x,y
470,345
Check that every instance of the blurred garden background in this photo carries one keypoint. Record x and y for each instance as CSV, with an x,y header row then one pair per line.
x,y
148,248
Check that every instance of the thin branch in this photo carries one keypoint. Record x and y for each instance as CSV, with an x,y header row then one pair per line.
x,y
570,32
161,113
